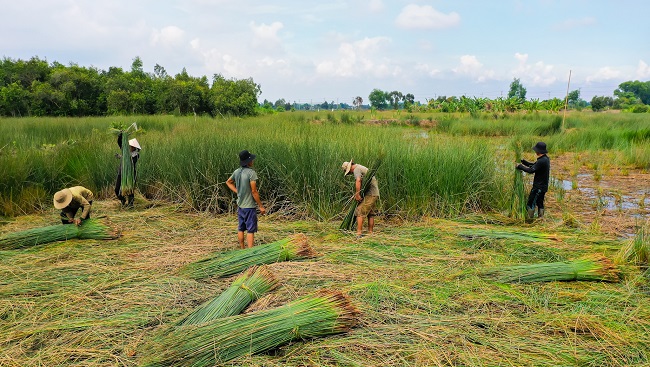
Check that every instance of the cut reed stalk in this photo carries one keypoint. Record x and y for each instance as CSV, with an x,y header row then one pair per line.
x,y
349,222
592,268
222,340
637,250
521,236
89,229
518,198
128,173
232,262
246,289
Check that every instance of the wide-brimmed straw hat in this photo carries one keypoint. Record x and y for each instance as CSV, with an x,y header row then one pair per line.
x,y
62,198
245,157
540,148
134,143
346,166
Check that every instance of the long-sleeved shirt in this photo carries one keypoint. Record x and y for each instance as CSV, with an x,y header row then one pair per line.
x,y
81,198
542,170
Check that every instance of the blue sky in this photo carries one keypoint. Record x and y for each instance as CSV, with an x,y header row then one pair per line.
x,y
334,51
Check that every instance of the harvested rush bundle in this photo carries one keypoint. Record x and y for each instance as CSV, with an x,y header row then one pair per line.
x,y
248,287
518,198
349,220
222,340
520,236
221,265
89,229
593,268
637,250
128,172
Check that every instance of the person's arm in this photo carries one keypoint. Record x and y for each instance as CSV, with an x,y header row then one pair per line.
x,y
231,184
530,169
119,140
526,163
357,189
86,208
256,196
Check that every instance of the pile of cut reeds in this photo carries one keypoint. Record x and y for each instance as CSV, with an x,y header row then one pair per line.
x,y
475,233
248,287
518,198
88,229
592,268
219,341
637,250
232,262
349,220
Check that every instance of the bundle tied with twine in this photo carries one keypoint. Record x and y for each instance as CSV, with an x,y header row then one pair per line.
x,y
89,229
219,341
518,197
248,287
293,247
592,268
349,220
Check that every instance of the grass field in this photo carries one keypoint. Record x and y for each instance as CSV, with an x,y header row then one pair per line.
x,y
420,281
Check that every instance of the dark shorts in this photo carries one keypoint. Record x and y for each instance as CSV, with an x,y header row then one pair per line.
x,y
247,219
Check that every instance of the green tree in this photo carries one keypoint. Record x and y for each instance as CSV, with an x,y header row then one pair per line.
x,y
378,99
517,90
640,89
599,103
234,97
395,97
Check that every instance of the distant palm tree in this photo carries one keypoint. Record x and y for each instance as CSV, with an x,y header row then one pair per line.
x,y
358,101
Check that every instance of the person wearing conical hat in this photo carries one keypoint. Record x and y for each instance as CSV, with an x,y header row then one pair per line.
x,y
135,148
541,168
70,200
367,202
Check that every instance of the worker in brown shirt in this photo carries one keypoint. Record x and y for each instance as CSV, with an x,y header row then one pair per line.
x,y
70,201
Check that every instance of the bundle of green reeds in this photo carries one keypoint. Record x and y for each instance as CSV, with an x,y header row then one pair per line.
x,y
592,268
349,220
89,229
232,262
248,287
222,340
475,233
637,250
128,172
518,198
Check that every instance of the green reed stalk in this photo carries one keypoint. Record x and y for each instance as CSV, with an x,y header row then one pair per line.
x,y
232,262
637,250
128,172
520,236
518,198
247,288
592,268
222,340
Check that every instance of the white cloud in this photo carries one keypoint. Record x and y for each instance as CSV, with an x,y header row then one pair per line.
x,y
575,23
537,74
427,69
359,58
603,74
266,35
470,66
169,36
643,71
425,17
376,6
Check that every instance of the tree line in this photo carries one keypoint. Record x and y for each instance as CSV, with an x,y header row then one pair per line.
x,y
38,88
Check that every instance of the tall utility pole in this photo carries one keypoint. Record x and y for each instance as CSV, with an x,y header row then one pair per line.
x,y
566,100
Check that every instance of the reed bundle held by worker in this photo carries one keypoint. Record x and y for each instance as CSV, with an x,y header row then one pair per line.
x,y
247,288
89,229
222,340
232,262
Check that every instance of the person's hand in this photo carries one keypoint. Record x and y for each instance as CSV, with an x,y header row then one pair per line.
x,y
76,221
262,210
357,197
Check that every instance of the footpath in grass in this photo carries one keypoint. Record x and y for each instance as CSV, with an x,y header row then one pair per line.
x,y
420,287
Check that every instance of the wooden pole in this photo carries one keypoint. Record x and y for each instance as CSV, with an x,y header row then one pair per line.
x,y
566,100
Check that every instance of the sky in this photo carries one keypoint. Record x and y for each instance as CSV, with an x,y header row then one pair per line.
x,y
316,51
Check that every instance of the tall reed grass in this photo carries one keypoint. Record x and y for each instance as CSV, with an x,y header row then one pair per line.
x,y
187,160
